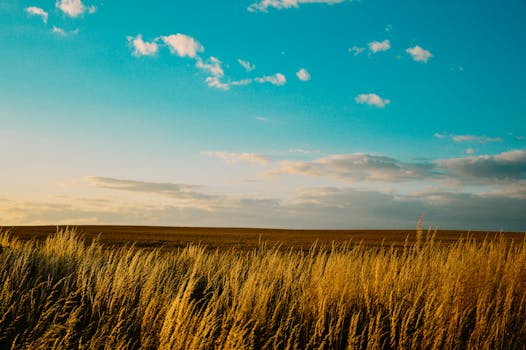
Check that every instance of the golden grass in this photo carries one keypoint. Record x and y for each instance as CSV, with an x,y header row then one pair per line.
x,y
63,293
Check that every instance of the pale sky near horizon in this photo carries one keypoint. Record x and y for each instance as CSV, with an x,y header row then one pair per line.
x,y
272,113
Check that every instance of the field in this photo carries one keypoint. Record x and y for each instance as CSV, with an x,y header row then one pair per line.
x,y
182,288
247,238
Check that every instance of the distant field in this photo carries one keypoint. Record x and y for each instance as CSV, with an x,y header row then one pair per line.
x,y
247,238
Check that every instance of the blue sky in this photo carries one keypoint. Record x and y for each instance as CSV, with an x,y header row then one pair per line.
x,y
277,113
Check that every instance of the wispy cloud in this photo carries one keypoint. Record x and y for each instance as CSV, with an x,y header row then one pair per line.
x,y
419,54
379,46
475,138
212,66
470,138
63,32
141,47
372,100
303,75
249,67
182,45
276,79
233,158
180,191
304,151
356,50
264,5
74,8
37,11
240,82
215,82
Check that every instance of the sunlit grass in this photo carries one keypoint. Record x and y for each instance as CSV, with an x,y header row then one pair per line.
x,y
63,293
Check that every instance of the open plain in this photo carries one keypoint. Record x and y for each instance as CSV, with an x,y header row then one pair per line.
x,y
250,238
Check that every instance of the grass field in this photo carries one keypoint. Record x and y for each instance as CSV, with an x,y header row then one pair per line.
x,y
61,292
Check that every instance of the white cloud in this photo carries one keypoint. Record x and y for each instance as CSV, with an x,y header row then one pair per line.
x,y
73,8
241,82
475,138
182,45
233,158
62,32
356,50
304,151
303,74
470,151
141,47
92,9
263,5
212,66
276,79
468,138
419,54
372,100
379,46
37,11
215,82
247,65
262,119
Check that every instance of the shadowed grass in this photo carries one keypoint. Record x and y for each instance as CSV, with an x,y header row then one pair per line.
x,y
63,293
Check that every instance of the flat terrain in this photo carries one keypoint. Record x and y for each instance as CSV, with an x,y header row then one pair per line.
x,y
247,238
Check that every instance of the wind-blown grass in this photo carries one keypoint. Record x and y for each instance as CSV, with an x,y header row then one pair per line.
x,y
66,294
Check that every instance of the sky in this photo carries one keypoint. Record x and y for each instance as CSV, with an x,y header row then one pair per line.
x,y
269,113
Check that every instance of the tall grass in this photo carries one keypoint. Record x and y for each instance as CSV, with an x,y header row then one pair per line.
x,y
65,294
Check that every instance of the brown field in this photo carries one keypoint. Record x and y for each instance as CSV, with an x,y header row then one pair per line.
x,y
248,238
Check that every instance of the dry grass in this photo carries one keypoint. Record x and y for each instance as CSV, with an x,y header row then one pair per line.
x,y
65,294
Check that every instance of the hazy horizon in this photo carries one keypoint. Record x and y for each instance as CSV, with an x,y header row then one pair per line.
x,y
271,113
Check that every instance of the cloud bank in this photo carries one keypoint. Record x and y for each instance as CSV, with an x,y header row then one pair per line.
x,y
502,168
